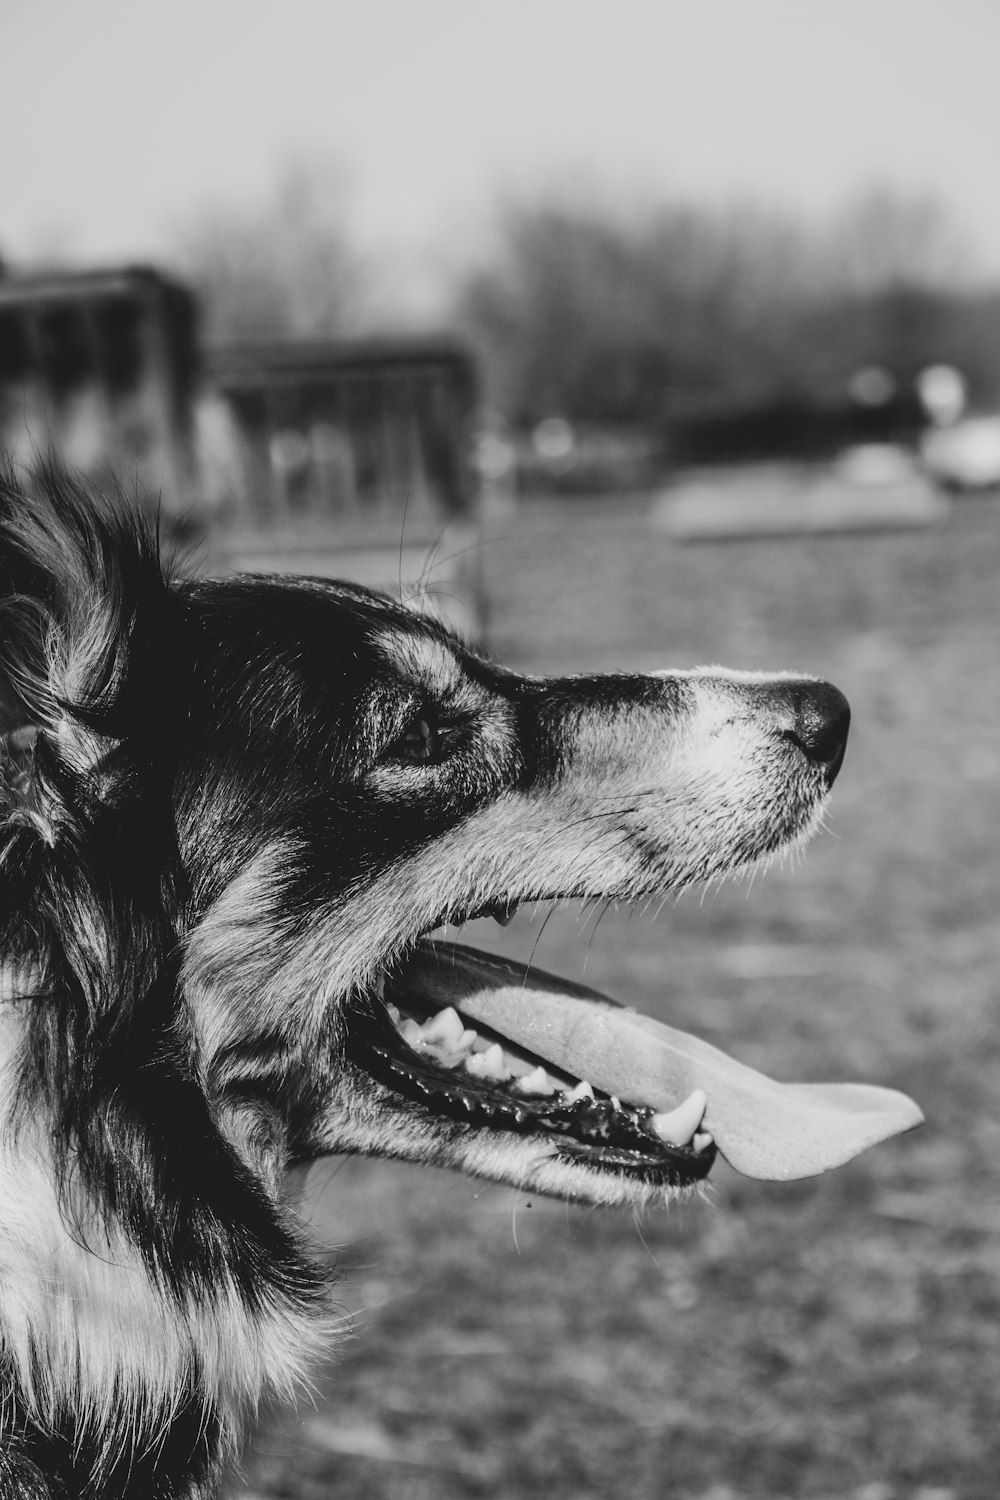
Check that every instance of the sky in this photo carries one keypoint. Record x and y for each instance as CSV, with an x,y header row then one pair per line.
x,y
125,119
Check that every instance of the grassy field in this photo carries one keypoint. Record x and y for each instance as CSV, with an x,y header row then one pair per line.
x,y
834,1338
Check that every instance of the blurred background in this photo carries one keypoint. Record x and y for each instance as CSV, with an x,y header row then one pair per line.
x,y
628,335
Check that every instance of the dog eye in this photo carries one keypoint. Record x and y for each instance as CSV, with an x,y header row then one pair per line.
x,y
419,744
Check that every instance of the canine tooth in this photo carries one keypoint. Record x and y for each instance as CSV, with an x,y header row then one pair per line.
x,y
679,1125
583,1090
536,1082
393,1013
488,1064
702,1140
445,1027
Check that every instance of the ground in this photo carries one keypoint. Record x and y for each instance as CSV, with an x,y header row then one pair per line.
x,y
834,1338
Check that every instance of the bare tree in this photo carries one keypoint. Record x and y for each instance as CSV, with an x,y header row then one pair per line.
x,y
601,316
608,317
285,268
885,239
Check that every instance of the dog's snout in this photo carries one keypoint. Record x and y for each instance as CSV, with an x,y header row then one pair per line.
x,y
820,718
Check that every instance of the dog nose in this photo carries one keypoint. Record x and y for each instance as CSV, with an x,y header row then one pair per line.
x,y
821,717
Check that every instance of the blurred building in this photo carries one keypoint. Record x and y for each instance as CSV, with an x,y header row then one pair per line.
x,y
98,371
339,459
349,430
351,459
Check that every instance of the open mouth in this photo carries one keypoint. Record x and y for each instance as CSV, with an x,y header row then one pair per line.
x,y
502,1047
467,1070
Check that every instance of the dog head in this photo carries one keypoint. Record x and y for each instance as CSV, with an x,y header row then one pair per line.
x,y
236,809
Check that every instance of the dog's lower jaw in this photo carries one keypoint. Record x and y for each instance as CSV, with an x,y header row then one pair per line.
x,y
377,1122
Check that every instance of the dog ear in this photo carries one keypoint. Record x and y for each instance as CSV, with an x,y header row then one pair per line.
x,y
80,584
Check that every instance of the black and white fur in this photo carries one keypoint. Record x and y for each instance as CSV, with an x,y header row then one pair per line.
x,y
226,808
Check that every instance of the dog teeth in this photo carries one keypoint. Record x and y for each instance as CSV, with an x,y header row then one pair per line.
x,y
411,1032
453,1044
445,1029
679,1125
488,1064
535,1082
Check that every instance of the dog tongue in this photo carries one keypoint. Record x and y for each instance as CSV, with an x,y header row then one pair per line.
x,y
765,1129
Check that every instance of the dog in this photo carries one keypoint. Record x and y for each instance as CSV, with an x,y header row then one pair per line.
x,y
231,812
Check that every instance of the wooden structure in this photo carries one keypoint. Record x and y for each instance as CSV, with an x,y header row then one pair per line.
x,y
97,370
350,459
340,459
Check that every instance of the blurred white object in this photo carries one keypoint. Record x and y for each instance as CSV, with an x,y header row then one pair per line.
x,y
872,464
965,456
874,487
289,452
554,440
495,458
943,394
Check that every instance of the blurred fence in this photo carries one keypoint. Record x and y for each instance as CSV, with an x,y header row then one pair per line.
x,y
348,458
343,459
98,370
